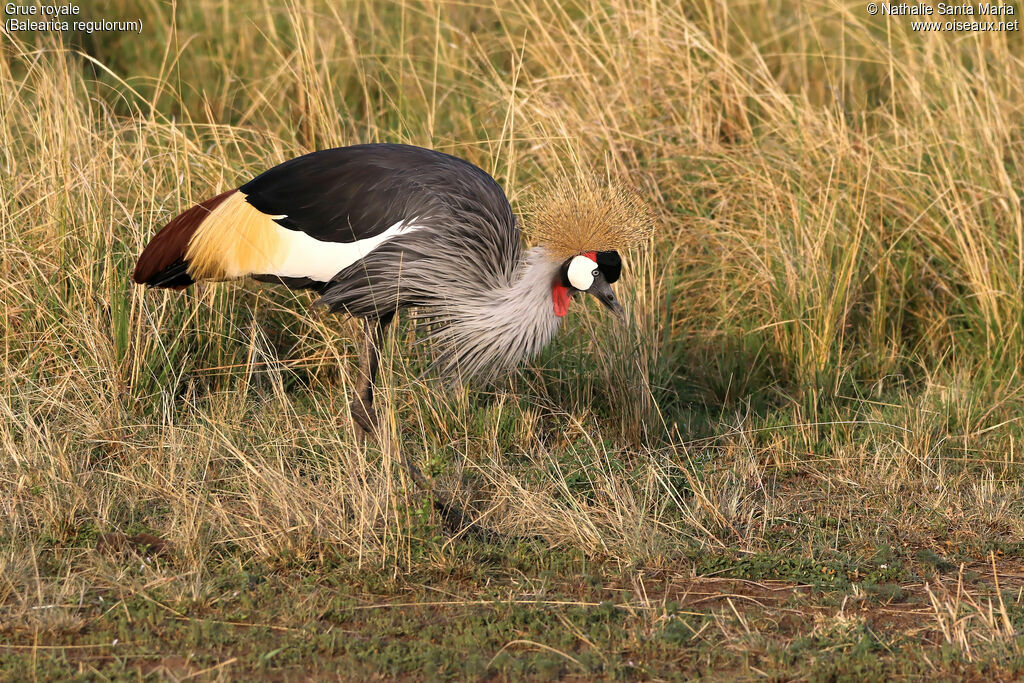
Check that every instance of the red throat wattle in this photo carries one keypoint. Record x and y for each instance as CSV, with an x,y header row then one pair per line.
x,y
560,293
560,297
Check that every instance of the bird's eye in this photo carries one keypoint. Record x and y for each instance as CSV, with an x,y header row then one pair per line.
x,y
595,273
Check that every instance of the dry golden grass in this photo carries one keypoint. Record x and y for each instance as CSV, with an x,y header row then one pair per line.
x,y
824,361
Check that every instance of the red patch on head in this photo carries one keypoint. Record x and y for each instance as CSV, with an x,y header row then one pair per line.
x,y
560,297
592,255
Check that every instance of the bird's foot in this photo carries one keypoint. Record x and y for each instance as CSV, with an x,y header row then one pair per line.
x,y
364,419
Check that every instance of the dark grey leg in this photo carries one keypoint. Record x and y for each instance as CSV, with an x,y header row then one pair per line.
x,y
364,422
364,417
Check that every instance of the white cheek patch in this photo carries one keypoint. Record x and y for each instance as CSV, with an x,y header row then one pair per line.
x,y
581,272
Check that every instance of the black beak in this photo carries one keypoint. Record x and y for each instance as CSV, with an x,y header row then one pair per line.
x,y
602,291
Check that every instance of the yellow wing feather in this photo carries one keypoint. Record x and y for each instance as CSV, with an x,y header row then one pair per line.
x,y
234,240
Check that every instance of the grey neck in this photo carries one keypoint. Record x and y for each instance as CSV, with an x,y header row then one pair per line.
x,y
497,329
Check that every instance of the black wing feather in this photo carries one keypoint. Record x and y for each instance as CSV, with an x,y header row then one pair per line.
x,y
352,193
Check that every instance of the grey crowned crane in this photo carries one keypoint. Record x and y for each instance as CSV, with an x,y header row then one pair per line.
x,y
379,227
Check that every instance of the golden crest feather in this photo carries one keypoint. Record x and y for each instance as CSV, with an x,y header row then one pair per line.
x,y
588,215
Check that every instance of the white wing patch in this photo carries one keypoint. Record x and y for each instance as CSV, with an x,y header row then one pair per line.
x,y
303,256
